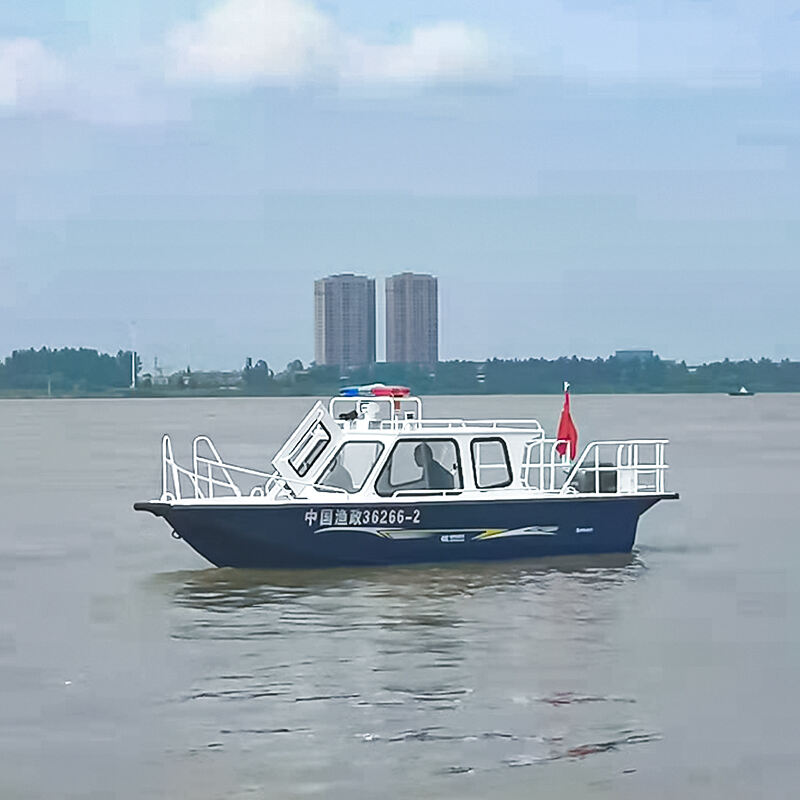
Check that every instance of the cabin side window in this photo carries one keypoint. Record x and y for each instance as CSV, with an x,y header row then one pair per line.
x,y
351,466
309,449
421,465
490,464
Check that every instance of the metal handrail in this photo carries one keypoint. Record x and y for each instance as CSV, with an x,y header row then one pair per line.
x,y
171,469
447,424
556,474
631,447
547,468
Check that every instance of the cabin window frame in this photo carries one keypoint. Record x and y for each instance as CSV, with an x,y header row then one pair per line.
x,y
472,451
423,492
304,467
356,489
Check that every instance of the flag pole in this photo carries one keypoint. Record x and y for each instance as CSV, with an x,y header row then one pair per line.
x,y
567,434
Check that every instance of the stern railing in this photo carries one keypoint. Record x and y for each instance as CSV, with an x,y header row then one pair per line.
x,y
634,466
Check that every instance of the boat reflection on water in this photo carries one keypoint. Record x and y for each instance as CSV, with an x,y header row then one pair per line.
x,y
228,588
473,668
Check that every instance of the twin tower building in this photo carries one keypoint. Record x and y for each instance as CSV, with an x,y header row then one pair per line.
x,y
344,320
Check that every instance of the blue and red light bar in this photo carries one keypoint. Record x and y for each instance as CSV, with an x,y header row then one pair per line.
x,y
375,390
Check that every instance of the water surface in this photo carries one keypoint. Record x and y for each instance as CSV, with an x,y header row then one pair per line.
x,y
129,668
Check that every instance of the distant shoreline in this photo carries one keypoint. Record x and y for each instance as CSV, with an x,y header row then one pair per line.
x,y
82,372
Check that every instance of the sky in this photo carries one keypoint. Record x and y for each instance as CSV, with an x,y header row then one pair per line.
x,y
581,175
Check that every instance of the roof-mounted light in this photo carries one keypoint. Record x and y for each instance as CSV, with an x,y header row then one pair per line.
x,y
375,390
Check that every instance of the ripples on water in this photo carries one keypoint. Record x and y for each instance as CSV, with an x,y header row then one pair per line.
x,y
555,679
464,669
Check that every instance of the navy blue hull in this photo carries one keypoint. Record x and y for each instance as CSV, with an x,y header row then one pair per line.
x,y
296,536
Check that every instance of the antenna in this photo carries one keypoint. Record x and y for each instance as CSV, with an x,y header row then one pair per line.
x,y
133,354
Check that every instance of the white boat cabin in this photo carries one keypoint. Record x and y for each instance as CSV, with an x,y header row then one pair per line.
x,y
382,449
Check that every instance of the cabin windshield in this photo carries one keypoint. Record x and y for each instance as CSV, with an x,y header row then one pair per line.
x,y
421,464
351,466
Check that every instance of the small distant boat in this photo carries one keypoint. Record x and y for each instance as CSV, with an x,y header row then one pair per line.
x,y
743,392
369,480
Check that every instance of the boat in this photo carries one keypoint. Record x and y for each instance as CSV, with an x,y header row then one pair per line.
x,y
367,479
743,392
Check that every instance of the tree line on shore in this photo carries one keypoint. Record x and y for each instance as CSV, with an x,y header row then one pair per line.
x,y
66,371
76,371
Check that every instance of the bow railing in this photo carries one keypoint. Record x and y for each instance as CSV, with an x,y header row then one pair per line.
x,y
212,477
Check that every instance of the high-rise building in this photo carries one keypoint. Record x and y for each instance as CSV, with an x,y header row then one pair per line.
x,y
344,320
412,319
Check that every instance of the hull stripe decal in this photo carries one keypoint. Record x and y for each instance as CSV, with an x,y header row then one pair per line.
x,y
481,534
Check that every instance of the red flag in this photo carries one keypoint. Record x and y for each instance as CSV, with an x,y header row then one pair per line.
x,y
567,432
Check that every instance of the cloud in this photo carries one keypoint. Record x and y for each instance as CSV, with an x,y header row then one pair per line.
x,y
441,52
82,86
29,74
291,42
296,42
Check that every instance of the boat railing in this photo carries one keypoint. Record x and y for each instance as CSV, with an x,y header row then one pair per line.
x,y
622,467
211,477
544,469
632,466
531,425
